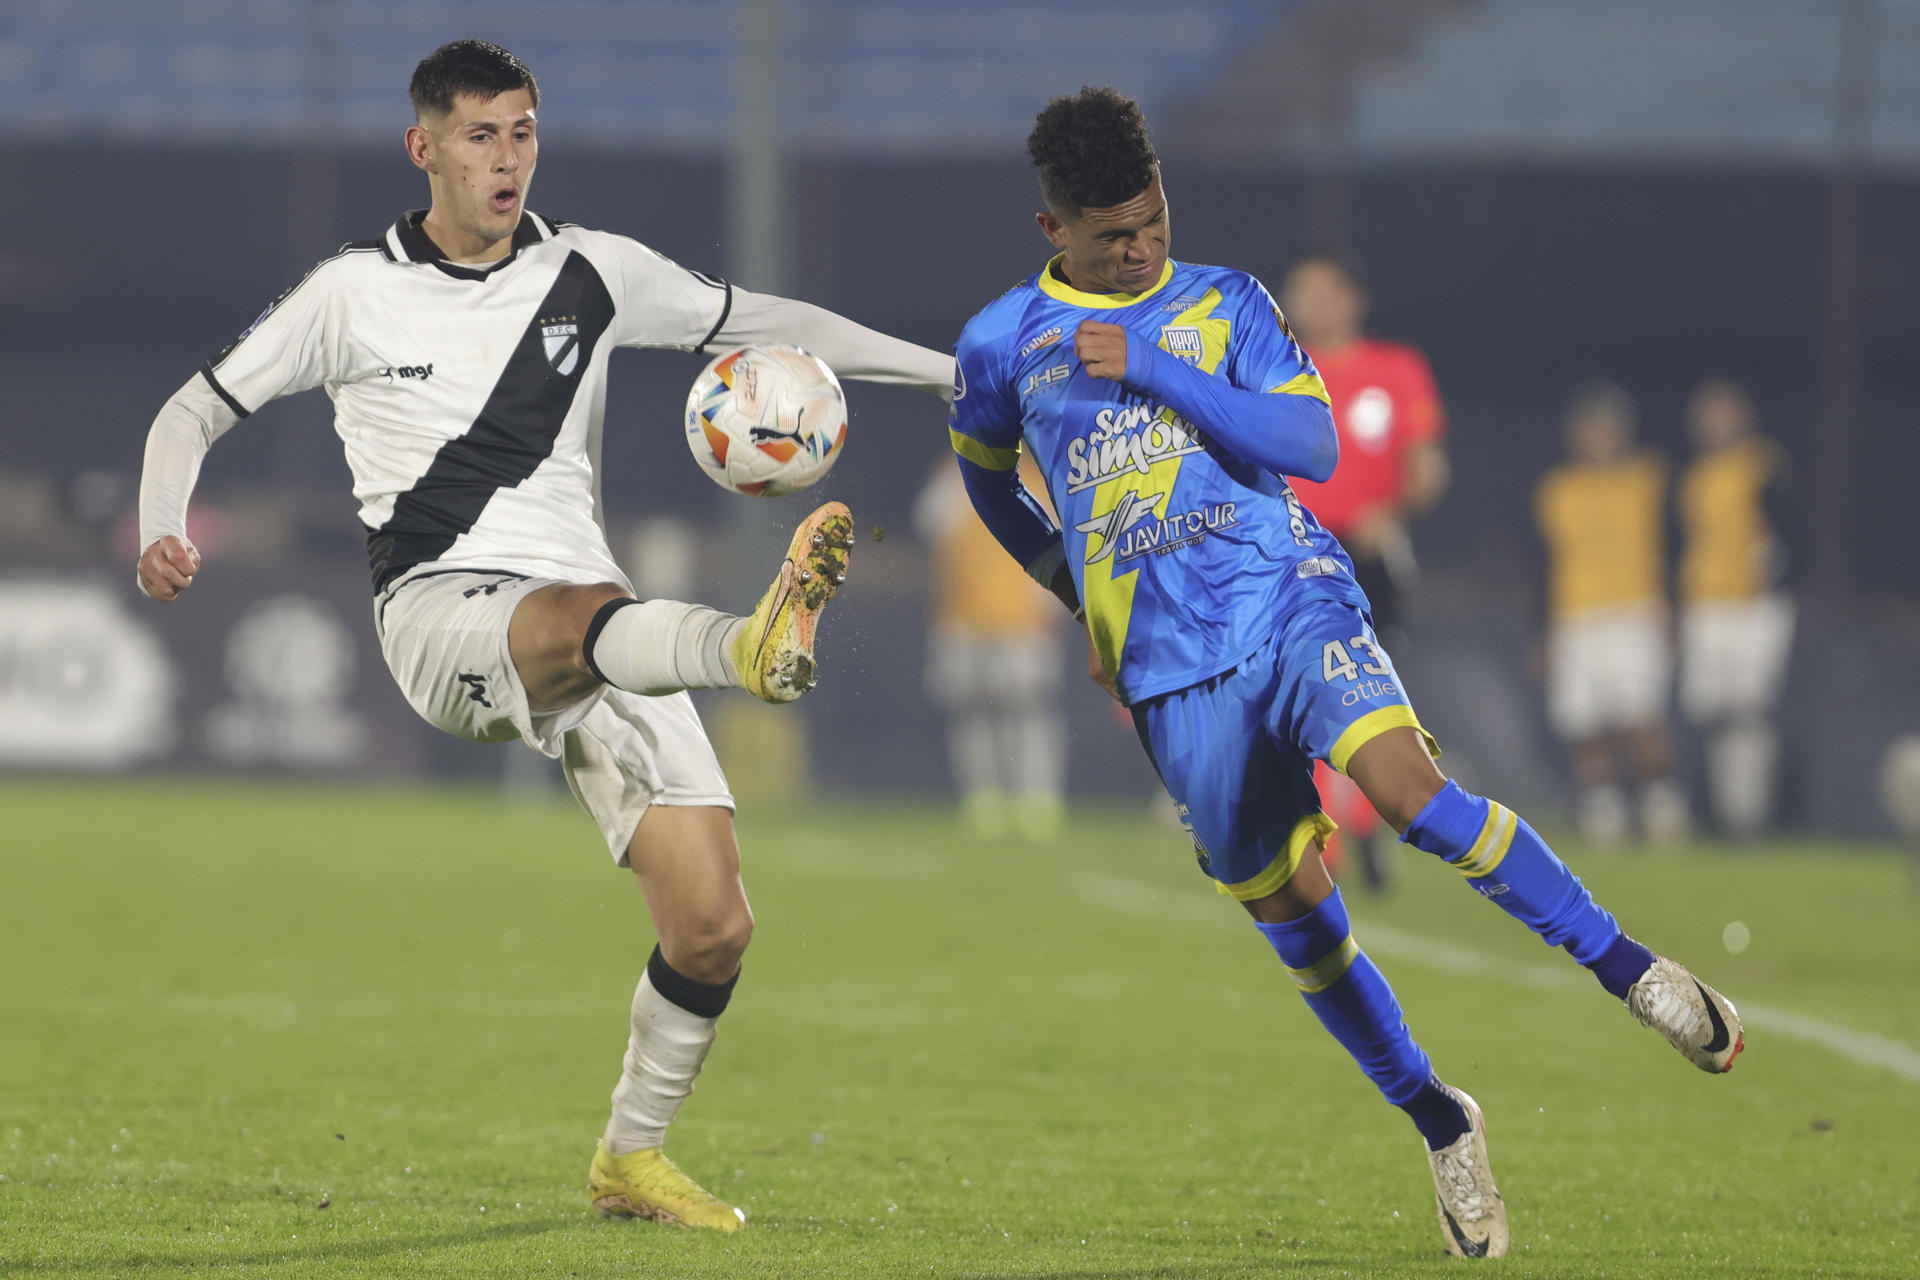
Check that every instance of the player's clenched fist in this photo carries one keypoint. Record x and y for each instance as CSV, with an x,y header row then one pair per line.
x,y
1102,349
167,568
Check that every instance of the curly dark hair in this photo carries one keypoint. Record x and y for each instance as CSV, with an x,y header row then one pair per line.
x,y
478,67
1092,151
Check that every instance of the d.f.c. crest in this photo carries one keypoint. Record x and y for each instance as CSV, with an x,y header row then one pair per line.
x,y
562,338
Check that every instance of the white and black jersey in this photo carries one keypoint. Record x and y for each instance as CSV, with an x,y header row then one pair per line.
x,y
470,399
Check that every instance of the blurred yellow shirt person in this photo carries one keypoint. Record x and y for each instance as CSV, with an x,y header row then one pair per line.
x,y
977,589
1601,515
1736,624
1602,522
993,666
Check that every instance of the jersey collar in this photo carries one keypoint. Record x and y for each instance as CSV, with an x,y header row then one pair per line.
x,y
407,241
1054,287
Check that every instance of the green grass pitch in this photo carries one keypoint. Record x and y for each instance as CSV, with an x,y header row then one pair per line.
x,y
280,1032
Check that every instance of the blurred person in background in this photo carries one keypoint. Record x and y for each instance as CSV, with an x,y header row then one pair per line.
x,y
1393,466
993,666
1736,621
1609,660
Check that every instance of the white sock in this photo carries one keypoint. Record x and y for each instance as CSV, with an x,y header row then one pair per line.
x,y
1741,759
656,647
1603,814
1663,810
972,750
666,1046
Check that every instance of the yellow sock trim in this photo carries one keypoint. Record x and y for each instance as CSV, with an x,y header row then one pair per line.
x,y
1496,837
1326,971
1312,829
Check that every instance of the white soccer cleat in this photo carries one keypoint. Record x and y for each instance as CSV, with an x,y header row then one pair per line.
x,y
1473,1217
1697,1020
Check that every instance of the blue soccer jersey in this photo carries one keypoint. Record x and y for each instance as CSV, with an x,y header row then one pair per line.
x,y
1186,557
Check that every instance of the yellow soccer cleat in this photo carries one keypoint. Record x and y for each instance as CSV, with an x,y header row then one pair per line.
x,y
774,652
645,1184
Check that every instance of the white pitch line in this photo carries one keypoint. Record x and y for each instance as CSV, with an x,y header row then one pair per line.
x,y
1860,1047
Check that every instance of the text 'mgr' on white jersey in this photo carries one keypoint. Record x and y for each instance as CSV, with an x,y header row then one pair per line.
x,y
470,399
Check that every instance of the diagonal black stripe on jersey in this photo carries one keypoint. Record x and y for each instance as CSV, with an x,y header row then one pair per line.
x,y
513,434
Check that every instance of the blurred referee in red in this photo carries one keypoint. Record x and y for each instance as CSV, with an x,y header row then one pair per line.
x,y
1393,466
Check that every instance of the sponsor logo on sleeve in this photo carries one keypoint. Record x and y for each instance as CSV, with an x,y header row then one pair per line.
x,y
1044,339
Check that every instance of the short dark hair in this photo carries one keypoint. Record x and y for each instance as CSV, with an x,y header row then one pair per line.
x,y
1092,151
1602,396
476,67
1339,259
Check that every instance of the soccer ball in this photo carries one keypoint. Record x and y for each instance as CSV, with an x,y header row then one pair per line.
x,y
766,420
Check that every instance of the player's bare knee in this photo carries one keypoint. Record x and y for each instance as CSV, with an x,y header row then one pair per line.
x,y
1397,775
579,612
709,947
552,623
546,639
1308,886
1400,806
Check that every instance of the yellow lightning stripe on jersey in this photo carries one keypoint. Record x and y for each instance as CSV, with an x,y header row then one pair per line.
x,y
1109,595
1304,384
1214,332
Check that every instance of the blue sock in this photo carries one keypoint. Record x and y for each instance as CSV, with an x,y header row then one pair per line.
x,y
1508,863
1350,996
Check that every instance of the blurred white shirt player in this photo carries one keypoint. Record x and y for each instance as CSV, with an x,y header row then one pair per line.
x,y
465,351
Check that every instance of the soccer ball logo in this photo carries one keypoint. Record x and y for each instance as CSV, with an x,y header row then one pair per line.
x,y
766,420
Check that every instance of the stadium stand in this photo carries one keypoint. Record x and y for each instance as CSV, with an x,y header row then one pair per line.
x,y
860,74
1740,76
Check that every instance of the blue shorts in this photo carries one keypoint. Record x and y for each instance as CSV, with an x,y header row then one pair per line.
x,y
1236,751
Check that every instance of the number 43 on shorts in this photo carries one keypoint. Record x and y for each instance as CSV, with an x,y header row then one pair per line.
x,y
1336,662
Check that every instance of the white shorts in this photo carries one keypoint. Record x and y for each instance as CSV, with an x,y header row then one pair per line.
x,y
444,636
1608,671
968,668
1733,655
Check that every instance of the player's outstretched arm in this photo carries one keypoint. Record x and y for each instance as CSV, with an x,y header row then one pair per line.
x,y
850,350
184,429
1289,435
1020,525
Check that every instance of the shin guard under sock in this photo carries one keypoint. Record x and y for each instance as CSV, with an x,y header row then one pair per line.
x,y
1350,996
1507,862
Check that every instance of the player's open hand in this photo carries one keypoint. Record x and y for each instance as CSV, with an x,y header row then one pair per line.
x,y
1102,349
167,568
